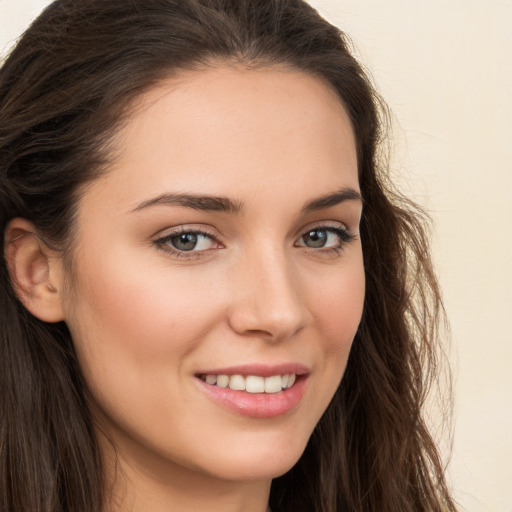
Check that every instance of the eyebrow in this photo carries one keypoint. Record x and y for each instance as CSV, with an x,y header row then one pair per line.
x,y
329,200
226,205
196,202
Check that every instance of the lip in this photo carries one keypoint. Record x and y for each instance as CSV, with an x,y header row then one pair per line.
x,y
257,405
262,370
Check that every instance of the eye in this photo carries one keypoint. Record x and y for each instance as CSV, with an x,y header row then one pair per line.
x,y
316,238
325,237
187,241
190,242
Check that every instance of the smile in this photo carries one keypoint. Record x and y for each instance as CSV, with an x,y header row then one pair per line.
x,y
256,391
251,383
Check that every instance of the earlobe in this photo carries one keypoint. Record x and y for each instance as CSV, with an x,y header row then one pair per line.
x,y
35,270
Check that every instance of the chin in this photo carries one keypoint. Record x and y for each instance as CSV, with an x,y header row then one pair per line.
x,y
260,462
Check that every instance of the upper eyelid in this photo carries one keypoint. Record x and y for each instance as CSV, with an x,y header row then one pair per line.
x,y
213,233
323,224
180,229
347,235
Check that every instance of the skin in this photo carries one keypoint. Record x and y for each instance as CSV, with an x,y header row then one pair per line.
x,y
145,320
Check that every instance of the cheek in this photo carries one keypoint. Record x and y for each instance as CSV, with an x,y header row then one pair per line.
x,y
139,302
338,306
129,321
133,332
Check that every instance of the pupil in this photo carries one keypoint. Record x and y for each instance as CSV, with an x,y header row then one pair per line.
x,y
316,238
185,241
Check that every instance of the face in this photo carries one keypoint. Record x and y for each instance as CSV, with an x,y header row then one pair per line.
x,y
217,273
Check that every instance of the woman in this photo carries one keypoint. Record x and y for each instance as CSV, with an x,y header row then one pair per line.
x,y
198,313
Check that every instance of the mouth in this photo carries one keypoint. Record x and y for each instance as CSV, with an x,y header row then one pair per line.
x,y
256,391
251,383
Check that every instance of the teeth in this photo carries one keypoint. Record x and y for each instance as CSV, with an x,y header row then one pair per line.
x,y
273,384
237,383
252,383
222,381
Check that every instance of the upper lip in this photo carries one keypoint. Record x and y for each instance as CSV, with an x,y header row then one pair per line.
x,y
261,370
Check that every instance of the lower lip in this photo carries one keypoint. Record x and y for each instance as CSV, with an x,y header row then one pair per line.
x,y
258,405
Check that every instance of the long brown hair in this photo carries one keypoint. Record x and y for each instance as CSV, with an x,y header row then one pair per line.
x,y
64,90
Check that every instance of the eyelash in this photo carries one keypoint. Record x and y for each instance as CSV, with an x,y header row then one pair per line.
x,y
164,242
344,235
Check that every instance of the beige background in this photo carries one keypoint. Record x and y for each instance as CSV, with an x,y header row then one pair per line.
x,y
444,67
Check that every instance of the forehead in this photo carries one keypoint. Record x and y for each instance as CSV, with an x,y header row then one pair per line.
x,y
248,130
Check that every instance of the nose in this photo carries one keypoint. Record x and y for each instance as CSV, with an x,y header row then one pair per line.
x,y
267,300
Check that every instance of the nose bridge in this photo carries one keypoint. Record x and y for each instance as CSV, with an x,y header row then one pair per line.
x,y
267,299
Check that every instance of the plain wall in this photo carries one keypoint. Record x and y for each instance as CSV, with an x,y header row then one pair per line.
x,y
445,69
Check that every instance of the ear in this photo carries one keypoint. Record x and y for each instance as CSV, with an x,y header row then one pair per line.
x,y
35,270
